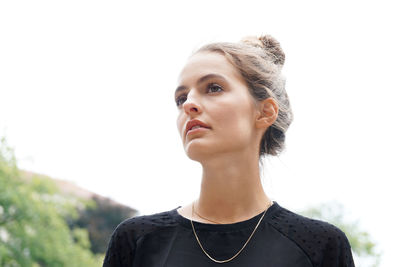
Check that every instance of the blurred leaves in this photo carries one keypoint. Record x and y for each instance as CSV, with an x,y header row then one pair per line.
x,y
100,219
33,229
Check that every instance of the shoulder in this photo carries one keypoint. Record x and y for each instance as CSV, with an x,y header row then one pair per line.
x,y
122,244
144,224
324,243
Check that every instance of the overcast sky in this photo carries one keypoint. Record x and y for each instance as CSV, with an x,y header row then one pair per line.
x,y
86,95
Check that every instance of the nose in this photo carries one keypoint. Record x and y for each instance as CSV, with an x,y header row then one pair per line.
x,y
191,105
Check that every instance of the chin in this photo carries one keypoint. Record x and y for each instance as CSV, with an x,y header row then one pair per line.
x,y
197,155
197,151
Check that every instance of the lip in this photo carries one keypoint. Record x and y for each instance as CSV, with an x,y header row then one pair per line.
x,y
190,124
196,131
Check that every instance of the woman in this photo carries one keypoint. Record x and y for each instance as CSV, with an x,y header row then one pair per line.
x,y
233,110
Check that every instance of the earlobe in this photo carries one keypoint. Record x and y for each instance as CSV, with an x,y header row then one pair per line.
x,y
268,113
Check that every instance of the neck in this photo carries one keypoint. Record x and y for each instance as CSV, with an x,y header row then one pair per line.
x,y
231,189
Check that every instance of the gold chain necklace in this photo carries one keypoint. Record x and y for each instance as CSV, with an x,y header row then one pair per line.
x,y
237,253
193,210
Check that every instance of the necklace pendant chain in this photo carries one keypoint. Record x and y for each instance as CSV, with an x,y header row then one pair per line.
x,y
237,253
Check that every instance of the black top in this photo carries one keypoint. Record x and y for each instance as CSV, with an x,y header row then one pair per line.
x,y
282,239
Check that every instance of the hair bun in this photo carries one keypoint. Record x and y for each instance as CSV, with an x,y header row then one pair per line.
x,y
270,45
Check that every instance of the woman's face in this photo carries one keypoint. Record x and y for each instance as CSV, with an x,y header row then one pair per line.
x,y
212,91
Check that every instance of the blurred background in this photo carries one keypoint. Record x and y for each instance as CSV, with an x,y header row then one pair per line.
x,y
88,118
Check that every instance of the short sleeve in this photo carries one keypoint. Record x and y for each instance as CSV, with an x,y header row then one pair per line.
x,y
121,249
338,251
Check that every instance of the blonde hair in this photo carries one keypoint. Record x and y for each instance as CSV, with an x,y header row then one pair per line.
x,y
260,60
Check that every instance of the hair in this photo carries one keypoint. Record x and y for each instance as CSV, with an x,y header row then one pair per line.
x,y
260,60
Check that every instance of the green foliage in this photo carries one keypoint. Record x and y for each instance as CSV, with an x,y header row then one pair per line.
x,y
33,231
361,242
100,220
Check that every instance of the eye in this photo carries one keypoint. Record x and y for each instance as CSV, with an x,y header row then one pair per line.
x,y
214,88
211,88
180,100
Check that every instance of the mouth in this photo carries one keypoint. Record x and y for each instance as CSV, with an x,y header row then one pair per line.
x,y
196,130
193,126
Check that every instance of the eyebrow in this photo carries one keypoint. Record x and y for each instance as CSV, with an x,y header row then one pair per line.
x,y
201,80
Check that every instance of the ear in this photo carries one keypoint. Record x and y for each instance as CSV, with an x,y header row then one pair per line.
x,y
267,113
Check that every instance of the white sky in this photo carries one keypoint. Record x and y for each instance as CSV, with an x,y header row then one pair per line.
x,y
86,95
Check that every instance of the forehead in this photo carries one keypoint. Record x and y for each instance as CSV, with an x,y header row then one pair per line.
x,y
204,63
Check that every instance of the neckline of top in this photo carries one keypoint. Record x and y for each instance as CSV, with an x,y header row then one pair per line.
x,y
185,222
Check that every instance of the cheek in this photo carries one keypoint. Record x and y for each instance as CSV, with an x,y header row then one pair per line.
x,y
235,120
180,124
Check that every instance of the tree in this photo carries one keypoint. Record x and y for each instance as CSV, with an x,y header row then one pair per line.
x,y
100,219
33,231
